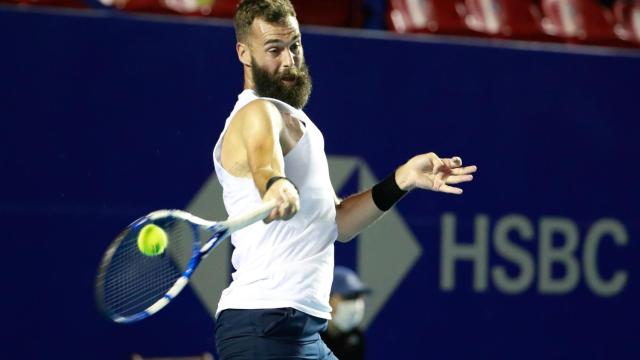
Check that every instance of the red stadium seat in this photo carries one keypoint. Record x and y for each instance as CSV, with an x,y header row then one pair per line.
x,y
346,13
152,6
485,16
517,19
77,4
217,8
581,21
627,17
214,8
427,16
339,13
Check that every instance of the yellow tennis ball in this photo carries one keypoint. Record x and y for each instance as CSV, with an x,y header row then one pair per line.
x,y
152,240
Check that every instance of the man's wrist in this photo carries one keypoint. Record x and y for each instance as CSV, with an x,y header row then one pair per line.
x,y
272,180
402,178
387,192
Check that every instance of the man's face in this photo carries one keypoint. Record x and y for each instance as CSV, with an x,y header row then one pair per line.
x,y
277,62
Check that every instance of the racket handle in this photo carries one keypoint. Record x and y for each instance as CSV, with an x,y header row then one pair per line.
x,y
248,218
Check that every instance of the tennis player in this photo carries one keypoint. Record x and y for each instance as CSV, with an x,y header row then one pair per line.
x,y
278,300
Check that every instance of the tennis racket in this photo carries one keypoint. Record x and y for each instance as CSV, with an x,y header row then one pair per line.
x,y
131,286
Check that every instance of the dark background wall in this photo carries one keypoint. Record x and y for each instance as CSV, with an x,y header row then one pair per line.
x,y
105,117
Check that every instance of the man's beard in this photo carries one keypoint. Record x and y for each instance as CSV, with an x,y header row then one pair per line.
x,y
272,86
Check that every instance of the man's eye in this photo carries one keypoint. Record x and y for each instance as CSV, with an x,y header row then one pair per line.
x,y
273,50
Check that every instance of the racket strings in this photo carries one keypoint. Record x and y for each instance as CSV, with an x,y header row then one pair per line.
x,y
132,281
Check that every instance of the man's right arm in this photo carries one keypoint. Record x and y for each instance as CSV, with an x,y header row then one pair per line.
x,y
260,126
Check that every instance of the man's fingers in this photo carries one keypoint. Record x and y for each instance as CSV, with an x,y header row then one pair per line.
x,y
452,163
283,207
287,201
436,162
457,179
465,170
443,171
438,181
287,207
272,216
450,190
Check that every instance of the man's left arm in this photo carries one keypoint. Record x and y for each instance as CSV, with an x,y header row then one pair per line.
x,y
426,171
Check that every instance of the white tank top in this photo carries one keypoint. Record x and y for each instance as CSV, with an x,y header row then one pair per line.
x,y
284,263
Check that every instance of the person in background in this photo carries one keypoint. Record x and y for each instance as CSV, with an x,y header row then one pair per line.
x,y
343,335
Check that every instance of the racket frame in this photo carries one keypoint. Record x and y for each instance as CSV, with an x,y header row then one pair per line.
x,y
219,230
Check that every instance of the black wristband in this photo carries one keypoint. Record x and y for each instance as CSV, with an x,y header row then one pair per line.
x,y
387,192
273,179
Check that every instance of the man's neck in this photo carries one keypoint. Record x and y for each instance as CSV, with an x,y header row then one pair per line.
x,y
248,80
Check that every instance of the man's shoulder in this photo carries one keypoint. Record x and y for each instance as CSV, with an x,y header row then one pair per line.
x,y
258,111
258,107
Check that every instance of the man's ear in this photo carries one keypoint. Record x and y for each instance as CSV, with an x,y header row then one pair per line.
x,y
244,55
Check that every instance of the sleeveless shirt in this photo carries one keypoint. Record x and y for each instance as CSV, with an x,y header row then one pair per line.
x,y
284,263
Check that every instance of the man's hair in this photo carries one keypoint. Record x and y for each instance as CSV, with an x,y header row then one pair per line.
x,y
271,11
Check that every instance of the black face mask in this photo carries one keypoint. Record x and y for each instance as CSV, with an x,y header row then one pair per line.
x,y
272,86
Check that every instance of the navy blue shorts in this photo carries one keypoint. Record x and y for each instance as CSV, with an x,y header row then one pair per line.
x,y
283,333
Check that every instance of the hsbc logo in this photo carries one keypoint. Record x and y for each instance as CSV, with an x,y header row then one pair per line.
x,y
533,249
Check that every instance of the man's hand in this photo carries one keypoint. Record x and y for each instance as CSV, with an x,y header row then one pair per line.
x,y
428,171
287,198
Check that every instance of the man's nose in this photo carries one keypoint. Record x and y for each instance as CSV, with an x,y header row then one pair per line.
x,y
288,59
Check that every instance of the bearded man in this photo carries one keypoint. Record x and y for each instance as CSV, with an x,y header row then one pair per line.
x,y
278,302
